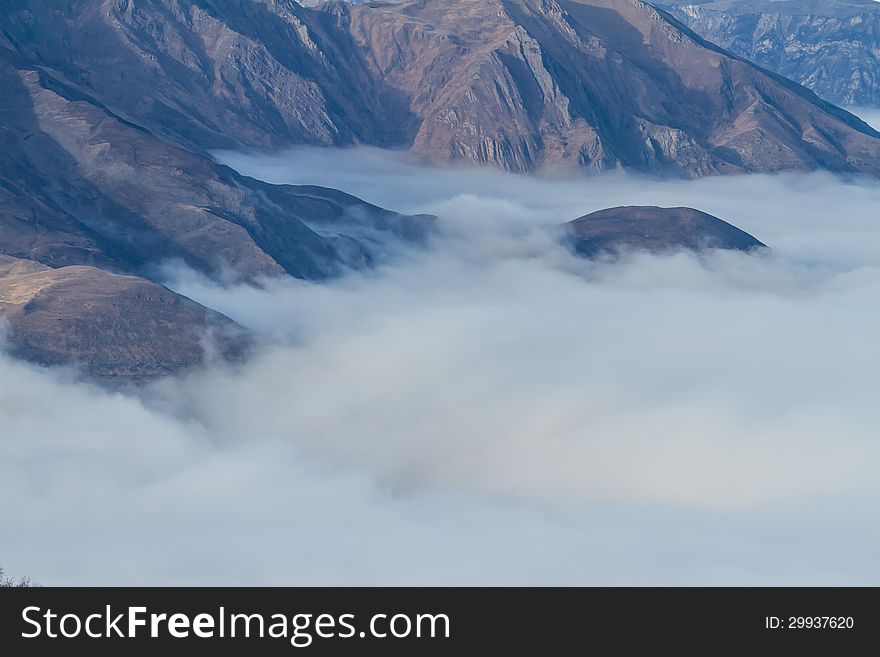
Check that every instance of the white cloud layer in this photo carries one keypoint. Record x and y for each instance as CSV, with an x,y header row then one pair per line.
x,y
491,410
870,115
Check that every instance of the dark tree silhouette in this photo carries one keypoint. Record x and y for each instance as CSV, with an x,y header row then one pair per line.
x,y
8,583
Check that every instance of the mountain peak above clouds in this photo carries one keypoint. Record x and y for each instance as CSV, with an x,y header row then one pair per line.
x,y
112,107
93,199
113,327
655,229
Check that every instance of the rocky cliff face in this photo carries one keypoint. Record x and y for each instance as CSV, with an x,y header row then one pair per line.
x,y
604,84
208,73
829,46
516,84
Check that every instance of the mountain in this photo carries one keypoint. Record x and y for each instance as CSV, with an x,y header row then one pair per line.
x,y
80,185
209,74
91,203
115,328
516,84
830,46
654,229
111,109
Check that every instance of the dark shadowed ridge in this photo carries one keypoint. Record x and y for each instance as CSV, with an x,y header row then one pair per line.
x,y
655,229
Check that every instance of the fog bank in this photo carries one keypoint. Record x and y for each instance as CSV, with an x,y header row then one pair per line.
x,y
490,410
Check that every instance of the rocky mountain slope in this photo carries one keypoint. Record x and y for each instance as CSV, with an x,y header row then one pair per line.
x,y
121,198
603,83
210,73
516,84
654,229
830,46
91,203
112,327
110,109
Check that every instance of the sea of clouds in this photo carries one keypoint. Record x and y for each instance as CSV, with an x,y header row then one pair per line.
x,y
489,409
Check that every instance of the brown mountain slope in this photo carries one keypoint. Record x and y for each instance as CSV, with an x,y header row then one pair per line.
x,y
604,83
518,84
86,195
115,328
209,73
80,185
654,229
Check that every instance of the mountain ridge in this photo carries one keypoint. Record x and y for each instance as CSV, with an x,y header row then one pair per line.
x,y
830,46
516,84
112,108
655,229
91,204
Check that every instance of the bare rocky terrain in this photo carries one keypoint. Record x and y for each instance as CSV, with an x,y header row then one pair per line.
x,y
95,203
81,185
829,46
111,109
603,84
516,84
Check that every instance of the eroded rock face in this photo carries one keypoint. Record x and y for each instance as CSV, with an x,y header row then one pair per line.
x,y
603,83
515,84
113,328
829,46
653,229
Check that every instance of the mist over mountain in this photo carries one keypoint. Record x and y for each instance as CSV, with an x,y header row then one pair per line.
x,y
829,46
457,414
81,186
113,109
562,354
